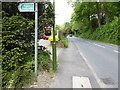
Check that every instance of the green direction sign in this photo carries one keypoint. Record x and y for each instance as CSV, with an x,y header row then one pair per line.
x,y
26,7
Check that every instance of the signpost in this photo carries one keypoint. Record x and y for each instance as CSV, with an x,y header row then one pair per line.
x,y
29,7
26,7
36,36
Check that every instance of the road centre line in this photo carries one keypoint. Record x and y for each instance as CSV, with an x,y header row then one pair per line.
x,y
99,45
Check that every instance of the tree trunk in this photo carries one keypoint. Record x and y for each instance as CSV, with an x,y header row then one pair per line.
x,y
106,14
98,13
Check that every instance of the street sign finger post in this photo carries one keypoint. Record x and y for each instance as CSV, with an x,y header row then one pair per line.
x,y
32,7
26,7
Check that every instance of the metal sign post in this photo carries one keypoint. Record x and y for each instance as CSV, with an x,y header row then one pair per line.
x,y
36,35
29,7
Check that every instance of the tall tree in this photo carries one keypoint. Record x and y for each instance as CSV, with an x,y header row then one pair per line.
x,y
106,13
98,13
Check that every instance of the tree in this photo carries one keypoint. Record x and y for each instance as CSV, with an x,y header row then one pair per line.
x,y
106,13
98,13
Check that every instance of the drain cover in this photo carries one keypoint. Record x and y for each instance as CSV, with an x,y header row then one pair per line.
x,y
108,81
81,82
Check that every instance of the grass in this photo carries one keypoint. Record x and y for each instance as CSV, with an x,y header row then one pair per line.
x,y
64,41
99,41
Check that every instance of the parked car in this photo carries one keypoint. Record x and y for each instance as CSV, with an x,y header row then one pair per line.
x,y
46,36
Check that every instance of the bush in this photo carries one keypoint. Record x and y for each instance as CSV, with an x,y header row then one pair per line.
x,y
18,78
16,50
16,38
107,33
63,38
44,60
64,41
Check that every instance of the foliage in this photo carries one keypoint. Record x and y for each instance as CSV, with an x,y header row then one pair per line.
x,y
16,41
16,47
18,52
45,17
44,60
67,28
93,20
106,33
63,31
45,14
64,41
18,78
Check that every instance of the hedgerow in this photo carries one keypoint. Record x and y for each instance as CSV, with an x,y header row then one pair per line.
x,y
18,52
16,47
107,33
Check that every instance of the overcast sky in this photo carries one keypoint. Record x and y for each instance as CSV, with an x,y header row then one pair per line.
x,y
63,11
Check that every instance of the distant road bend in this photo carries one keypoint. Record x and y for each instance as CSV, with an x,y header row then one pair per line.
x,y
102,59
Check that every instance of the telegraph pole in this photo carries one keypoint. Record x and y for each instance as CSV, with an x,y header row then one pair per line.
x,y
54,42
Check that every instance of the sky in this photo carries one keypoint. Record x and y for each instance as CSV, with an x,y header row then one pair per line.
x,y
63,12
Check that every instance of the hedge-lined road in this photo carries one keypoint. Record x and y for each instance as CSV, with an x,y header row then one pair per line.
x,y
101,58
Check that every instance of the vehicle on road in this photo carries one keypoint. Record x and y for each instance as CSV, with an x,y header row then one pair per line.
x,y
70,35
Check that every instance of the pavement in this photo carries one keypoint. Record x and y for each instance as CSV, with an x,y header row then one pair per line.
x,y
71,64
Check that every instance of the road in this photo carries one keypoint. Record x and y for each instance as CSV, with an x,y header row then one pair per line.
x,y
86,58
101,58
71,64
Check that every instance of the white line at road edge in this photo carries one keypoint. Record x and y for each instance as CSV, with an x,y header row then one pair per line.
x,y
116,51
102,85
99,45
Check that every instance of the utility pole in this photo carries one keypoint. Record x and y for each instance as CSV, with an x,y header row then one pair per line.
x,y
54,42
36,36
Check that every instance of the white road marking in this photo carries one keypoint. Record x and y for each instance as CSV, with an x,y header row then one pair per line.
x,y
116,51
99,45
81,82
102,85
